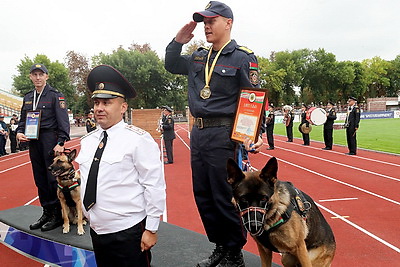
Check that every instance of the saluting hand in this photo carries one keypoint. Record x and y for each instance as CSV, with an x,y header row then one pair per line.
x,y
186,33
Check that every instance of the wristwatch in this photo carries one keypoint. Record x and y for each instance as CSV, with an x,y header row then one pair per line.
x,y
61,143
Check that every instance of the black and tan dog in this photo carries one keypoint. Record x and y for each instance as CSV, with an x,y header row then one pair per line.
x,y
281,218
68,190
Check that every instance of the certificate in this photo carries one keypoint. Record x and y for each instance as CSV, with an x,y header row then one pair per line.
x,y
249,112
32,124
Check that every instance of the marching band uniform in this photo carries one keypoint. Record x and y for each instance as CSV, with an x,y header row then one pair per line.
x,y
328,128
270,123
168,134
289,126
306,136
90,125
351,125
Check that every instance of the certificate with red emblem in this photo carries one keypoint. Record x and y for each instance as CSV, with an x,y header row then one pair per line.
x,y
32,124
249,112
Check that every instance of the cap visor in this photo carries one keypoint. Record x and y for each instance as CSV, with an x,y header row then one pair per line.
x,y
199,16
103,96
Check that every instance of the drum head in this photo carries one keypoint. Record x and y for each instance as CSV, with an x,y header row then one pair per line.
x,y
318,116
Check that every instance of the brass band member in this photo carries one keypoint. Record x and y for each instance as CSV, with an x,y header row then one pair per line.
x,y
288,121
305,134
270,123
328,126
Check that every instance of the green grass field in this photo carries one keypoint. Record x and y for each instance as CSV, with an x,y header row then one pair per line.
x,y
375,134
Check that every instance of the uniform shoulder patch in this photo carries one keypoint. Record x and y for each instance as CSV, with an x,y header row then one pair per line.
x,y
92,132
245,49
135,129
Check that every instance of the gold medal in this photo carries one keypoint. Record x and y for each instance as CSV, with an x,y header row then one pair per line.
x,y
205,93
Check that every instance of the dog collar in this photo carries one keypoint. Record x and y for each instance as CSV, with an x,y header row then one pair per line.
x,y
68,187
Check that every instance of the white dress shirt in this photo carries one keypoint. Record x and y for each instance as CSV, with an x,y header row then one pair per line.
x,y
130,182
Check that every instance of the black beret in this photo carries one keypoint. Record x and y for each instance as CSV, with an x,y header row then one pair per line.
x,y
105,81
212,10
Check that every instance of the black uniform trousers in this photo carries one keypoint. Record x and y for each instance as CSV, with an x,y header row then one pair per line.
x,y
270,135
306,137
13,141
2,145
351,135
41,155
289,133
169,149
210,150
121,249
328,138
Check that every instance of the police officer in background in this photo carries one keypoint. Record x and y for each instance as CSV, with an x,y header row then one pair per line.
x,y
352,124
53,133
90,122
168,131
270,123
288,118
123,210
215,76
328,125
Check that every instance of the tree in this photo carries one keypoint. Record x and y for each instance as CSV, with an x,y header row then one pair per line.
x,y
393,73
146,72
58,76
79,69
376,76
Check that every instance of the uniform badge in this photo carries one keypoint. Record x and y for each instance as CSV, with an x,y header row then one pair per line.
x,y
101,86
208,6
101,145
254,77
62,102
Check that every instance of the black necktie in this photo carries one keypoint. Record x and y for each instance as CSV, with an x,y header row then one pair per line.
x,y
91,187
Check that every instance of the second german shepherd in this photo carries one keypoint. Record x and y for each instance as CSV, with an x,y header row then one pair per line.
x,y
281,218
68,191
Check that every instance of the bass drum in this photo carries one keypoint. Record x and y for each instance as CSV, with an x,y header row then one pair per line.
x,y
317,116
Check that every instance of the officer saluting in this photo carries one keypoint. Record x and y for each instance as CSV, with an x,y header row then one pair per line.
x,y
352,124
168,131
215,76
123,187
53,133
328,125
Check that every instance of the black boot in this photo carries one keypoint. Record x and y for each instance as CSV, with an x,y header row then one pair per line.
x,y
234,258
217,255
56,219
42,220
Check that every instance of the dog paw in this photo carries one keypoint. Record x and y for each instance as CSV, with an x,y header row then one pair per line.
x,y
65,229
81,231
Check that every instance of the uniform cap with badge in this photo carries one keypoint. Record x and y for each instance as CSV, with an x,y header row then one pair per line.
x,y
352,98
167,108
212,10
39,67
105,81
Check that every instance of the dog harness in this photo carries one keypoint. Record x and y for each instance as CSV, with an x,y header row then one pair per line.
x,y
66,190
297,203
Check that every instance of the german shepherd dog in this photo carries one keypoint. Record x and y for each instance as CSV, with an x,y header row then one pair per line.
x,y
281,218
68,190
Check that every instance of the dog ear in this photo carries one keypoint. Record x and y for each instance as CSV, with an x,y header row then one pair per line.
x,y
270,171
72,155
235,174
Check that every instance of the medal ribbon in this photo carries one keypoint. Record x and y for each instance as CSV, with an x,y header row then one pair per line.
x,y
35,103
208,73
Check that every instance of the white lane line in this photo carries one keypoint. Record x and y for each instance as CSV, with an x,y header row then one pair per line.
x,y
29,202
335,180
360,228
341,164
339,153
338,199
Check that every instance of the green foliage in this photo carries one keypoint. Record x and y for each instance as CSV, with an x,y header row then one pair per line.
x,y
58,76
145,71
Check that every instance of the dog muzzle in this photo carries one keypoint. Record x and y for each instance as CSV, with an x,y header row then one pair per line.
x,y
253,219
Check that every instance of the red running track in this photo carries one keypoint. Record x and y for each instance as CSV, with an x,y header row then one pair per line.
x,y
358,195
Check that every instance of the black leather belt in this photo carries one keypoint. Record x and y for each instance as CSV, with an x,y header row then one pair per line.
x,y
213,122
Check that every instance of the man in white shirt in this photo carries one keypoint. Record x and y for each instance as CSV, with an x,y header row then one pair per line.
x,y
123,189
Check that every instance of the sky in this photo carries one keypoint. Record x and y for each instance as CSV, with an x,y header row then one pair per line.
x,y
351,29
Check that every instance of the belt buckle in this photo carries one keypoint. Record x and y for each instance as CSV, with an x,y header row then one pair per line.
x,y
200,123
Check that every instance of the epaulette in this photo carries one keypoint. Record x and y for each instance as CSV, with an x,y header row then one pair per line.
x,y
245,49
86,135
135,129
